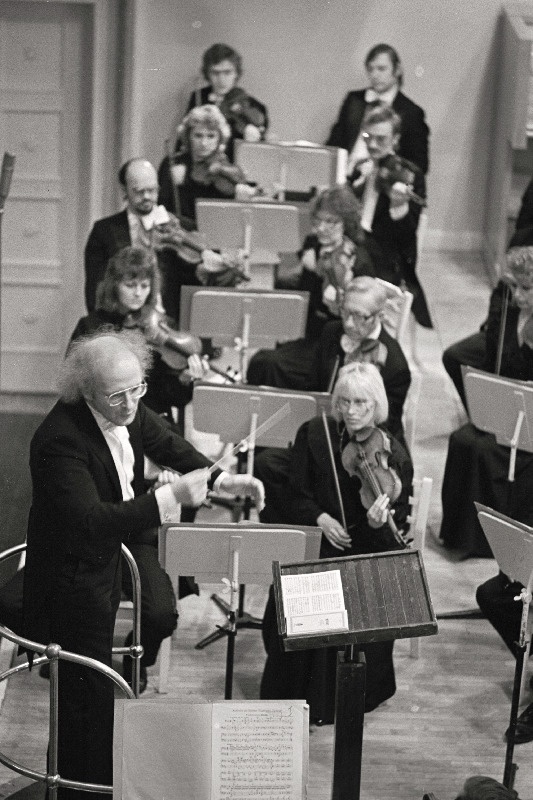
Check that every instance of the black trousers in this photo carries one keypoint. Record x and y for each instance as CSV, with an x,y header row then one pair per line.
x,y
495,598
471,352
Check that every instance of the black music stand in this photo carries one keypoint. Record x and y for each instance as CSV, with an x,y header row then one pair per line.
x,y
235,413
244,319
259,230
234,553
285,169
386,597
512,545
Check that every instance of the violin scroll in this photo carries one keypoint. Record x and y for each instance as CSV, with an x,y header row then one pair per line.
x,y
394,169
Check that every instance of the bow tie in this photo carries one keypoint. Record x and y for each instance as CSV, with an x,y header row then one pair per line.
x,y
370,351
386,98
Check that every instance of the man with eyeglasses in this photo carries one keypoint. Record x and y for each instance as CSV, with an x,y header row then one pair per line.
x,y
392,192
87,462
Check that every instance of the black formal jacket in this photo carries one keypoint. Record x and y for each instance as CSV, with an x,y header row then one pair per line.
x,y
517,360
77,507
108,236
414,137
312,489
395,371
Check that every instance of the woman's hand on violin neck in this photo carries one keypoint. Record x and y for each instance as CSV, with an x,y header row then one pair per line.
x,y
377,513
333,531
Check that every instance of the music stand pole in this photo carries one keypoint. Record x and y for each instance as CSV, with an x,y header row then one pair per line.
x,y
349,719
522,646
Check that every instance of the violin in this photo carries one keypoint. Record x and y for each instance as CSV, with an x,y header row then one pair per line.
x,y
240,112
394,169
216,170
367,455
174,346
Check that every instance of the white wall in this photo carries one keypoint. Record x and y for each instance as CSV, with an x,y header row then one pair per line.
x,y
302,56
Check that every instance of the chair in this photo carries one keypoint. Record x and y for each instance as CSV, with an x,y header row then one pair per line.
x,y
418,518
397,309
51,654
410,409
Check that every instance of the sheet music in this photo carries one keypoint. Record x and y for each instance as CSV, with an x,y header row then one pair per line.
x,y
314,602
257,751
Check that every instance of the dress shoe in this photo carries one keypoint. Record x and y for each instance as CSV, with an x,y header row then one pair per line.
x,y
524,726
127,668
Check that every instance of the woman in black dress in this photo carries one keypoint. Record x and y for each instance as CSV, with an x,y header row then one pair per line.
x,y
359,405
476,466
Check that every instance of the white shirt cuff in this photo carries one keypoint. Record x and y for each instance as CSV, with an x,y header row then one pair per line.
x,y
399,212
169,508
216,485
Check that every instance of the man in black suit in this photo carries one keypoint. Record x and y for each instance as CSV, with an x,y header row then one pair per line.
x,y
392,192
385,77
87,463
134,226
358,336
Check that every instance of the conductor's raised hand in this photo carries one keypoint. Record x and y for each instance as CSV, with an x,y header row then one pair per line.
x,y
245,486
191,489
333,531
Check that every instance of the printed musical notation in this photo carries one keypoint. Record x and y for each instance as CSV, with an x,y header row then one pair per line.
x,y
314,602
258,751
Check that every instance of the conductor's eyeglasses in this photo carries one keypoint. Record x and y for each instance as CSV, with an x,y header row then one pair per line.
x,y
134,392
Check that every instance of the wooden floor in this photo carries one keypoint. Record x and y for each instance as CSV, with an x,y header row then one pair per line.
x,y
447,719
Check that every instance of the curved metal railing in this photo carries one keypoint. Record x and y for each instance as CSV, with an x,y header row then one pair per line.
x,y
52,653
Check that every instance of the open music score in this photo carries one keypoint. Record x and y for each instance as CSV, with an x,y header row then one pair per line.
x,y
314,603
233,750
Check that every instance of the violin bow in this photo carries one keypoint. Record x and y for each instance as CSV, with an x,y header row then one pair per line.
x,y
175,187
334,470
501,332
278,415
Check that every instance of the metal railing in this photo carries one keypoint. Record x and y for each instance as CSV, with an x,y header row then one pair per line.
x,y
53,653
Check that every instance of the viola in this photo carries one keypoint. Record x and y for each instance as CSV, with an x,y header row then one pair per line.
x,y
367,456
174,346
394,169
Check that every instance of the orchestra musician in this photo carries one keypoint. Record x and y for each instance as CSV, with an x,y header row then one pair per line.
x,y
385,77
392,192
137,225
200,167
330,258
476,467
87,464
246,116
359,407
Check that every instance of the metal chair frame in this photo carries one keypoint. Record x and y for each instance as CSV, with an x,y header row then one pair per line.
x,y
52,653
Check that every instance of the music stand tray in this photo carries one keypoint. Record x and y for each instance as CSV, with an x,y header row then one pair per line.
x,y
273,227
495,405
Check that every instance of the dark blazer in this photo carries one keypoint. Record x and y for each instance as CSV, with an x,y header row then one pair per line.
x,y
395,371
108,236
77,507
414,137
517,360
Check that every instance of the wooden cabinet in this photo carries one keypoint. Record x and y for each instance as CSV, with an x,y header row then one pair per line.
x,y
511,161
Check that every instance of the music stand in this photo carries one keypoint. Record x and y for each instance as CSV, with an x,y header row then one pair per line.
x,y
257,229
501,406
386,597
244,319
291,168
233,553
236,413
512,545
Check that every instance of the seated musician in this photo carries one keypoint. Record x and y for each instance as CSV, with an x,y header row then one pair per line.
x,y
200,168
128,297
392,192
329,259
476,467
137,225
246,116
384,70
359,407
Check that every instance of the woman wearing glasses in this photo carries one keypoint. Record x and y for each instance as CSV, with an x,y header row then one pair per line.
x,y
329,259
359,405
130,286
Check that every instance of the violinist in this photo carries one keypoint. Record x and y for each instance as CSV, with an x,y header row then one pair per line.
x,y
130,286
330,258
359,407
392,192
476,466
385,79
246,116
135,225
200,167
